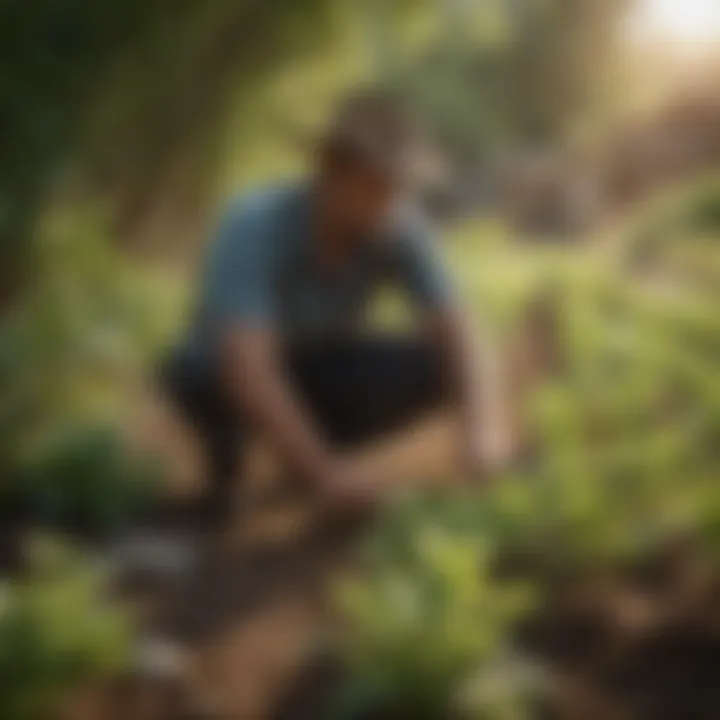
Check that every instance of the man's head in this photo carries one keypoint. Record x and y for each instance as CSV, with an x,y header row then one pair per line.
x,y
367,159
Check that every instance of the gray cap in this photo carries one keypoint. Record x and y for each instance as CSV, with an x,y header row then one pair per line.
x,y
380,128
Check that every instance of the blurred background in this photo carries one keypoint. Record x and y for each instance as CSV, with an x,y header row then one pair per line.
x,y
577,185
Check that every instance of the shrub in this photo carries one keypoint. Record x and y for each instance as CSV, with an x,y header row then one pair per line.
x,y
625,463
86,480
427,618
56,632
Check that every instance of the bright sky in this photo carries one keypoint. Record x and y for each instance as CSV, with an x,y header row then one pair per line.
x,y
687,22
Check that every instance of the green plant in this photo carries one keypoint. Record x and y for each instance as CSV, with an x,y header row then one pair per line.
x,y
86,479
428,617
56,632
70,350
626,463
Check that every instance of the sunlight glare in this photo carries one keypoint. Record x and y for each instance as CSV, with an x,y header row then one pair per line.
x,y
689,22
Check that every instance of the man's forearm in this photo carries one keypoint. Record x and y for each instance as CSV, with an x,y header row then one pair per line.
x,y
254,378
464,371
494,402
477,380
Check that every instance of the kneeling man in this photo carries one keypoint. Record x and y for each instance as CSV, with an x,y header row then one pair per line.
x,y
278,343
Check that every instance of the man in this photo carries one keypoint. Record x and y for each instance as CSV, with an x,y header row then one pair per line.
x,y
278,343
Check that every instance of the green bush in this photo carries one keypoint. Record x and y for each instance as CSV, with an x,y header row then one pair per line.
x,y
87,480
676,234
56,633
428,617
625,461
83,334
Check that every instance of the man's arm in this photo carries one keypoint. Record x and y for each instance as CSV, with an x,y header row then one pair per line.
x,y
474,364
479,389
241,299
254,378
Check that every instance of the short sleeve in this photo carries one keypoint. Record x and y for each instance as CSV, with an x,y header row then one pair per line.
x,y
420,269
240,271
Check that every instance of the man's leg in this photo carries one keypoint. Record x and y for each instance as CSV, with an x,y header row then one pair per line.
x,y
202,402
358,389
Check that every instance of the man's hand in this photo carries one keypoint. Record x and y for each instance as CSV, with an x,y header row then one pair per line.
x,y
346,489
488,453
258,382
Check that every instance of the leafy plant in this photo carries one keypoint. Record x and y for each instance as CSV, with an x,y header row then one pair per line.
x,y
625,463
86,479
428,617
57,631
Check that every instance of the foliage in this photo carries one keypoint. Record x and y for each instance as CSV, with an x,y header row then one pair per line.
x,y
76,342
502,74
429,616
56,632
675,234
120,95
86,480
127,101
625,460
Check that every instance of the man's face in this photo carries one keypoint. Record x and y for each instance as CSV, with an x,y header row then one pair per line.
x,y
365,198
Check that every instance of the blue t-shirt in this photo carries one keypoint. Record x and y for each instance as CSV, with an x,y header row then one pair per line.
x,y
262,270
